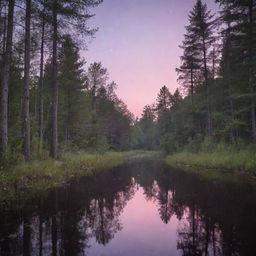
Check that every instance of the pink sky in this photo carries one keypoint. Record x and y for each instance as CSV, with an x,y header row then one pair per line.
x,y
138,42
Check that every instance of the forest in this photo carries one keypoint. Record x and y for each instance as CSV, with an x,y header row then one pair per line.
x,y
216,98
80,174
49,101
53,101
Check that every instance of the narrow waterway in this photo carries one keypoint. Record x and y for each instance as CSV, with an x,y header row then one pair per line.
x,y
141,209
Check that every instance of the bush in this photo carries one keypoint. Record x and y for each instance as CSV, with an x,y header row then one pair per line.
x,y
10,158
194,145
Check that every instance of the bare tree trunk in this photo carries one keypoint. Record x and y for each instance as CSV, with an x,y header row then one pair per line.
x,y
5,79
253,118
192,88
192,101
231,103
54,139
41,102
251,73
3,20
25,103
4,35
69,116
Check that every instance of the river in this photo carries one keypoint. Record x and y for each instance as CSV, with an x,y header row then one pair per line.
x,y
143,208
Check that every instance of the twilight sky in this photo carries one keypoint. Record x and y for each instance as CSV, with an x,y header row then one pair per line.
x,y
138,42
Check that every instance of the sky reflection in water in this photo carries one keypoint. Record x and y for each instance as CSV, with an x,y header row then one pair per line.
x,y
143,232
143,208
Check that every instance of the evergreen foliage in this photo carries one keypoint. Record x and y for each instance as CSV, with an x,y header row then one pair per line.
x,y
67,104
216,100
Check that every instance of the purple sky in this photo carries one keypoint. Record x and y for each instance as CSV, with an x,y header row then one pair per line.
x,y
138,42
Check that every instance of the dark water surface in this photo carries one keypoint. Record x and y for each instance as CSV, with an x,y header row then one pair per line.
x,y
141,209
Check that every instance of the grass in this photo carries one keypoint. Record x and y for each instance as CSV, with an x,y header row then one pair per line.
x,y
230,159
25,180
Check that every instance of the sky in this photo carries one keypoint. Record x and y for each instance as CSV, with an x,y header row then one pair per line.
x,y
138,42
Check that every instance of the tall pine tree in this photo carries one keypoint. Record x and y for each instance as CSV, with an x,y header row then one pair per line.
x,y
200,33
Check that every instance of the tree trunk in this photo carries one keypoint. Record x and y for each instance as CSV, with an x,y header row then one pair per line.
x,y
3,20
5,79
192,102
192,89
251,73
4,35
230,99
54,140
231,103
253,118
69,115
25,103
209,118
40,91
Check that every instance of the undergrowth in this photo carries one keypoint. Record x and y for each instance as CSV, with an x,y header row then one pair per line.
x,y
26,179
237,158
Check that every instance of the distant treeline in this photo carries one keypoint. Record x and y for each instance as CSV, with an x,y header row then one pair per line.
x,y
217,97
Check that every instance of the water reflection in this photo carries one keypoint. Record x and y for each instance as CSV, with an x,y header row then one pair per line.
x,y
140,209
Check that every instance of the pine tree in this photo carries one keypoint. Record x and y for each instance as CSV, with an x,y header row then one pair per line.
x,y
72,15
188,72
97,77
42,24
71,79
200,31
226,65
163,100
55,88
241,16
147,126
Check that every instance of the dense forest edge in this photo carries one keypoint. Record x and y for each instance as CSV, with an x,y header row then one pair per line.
x,y
54,104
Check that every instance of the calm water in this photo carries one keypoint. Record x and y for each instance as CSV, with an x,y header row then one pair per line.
x,y
142,209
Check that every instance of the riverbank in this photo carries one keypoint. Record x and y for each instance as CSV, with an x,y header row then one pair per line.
x,y
242,160
25,180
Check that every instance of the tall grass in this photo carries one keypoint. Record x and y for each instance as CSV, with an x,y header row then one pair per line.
x,y
232,157
28,179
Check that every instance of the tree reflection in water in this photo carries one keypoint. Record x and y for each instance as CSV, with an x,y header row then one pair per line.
x,y
215,218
